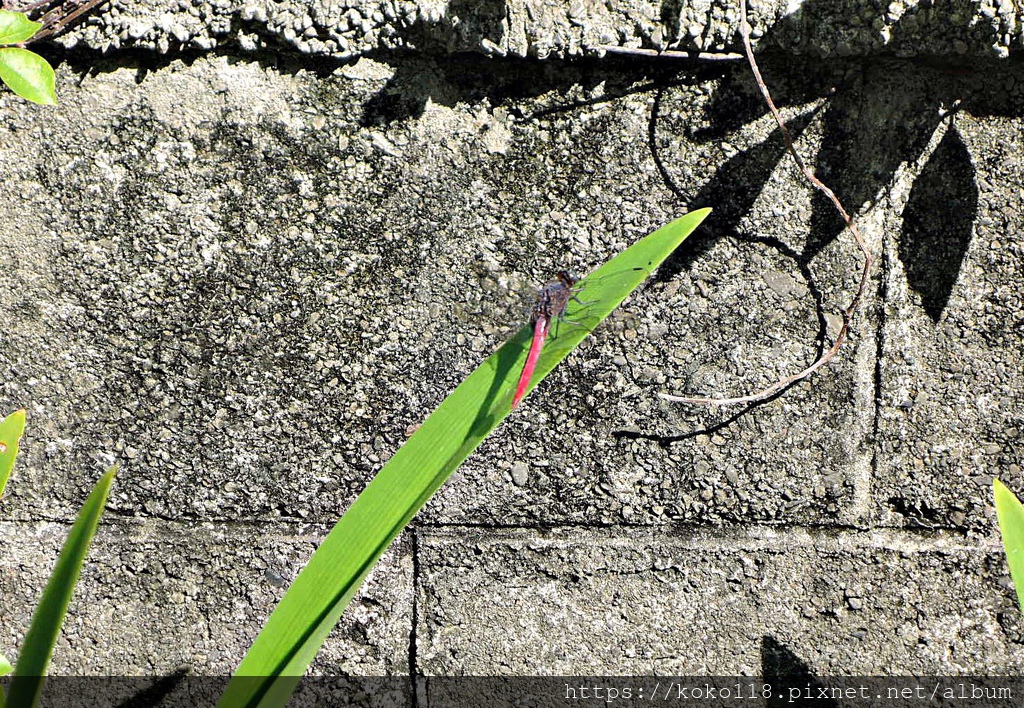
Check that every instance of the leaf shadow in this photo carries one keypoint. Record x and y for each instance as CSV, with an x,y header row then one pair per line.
x,y
731,191
155,693
785,672
881,115
869,131
938,222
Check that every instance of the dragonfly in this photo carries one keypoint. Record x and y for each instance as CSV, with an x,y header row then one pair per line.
x,y
551,303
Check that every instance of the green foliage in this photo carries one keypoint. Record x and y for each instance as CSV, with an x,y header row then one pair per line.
x,y
11,429
37,649
317,598
15,27
1010,514
26,73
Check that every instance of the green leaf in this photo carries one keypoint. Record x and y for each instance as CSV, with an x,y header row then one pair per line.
x,y
28,75
5,668
11,429
15,27
315,602
42,635
1010,514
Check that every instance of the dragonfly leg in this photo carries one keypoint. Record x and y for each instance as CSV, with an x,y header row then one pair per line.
x,y
561,318
575,291
584,303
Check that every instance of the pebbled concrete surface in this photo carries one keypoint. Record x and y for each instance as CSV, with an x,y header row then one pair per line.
x,y
262,303
247,274
168,598
950,416
549,29
693,604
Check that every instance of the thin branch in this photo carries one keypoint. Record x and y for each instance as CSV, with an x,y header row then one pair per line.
x,y
57,23
55,15
670,53
850,225
27,9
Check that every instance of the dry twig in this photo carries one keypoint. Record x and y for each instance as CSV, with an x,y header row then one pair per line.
x,y
55,15
670,53
820,186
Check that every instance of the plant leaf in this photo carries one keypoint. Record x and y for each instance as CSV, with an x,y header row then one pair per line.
x,y
15,27
28,75
316,600
36,651
1010,514
11,429
5,668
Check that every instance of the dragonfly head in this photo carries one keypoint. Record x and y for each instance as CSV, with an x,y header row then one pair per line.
x,y
565,278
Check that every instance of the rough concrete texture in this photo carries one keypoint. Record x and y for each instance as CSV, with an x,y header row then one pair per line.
x,y
950,413
170,598
258,306
697,604
556,28
247,276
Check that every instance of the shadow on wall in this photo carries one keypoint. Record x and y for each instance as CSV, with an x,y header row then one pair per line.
x,y
875,116
784,671
938,222
435,33
878,115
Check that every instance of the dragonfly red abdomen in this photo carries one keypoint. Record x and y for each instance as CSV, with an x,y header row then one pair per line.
x,y
554,298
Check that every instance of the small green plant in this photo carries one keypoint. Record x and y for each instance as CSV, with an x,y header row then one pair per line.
x,y
318,597
26,73
11,429
37,649
1010,516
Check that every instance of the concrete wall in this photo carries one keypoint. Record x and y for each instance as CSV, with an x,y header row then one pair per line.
x,y
256,243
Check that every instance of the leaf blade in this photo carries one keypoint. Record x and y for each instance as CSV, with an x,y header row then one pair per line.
x,y
11,429
5,668
28,75
37,649
308,612
15,27
1010,514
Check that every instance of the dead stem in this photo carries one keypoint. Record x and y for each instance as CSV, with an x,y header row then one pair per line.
x,y
670,53
27,9
55,15
861,244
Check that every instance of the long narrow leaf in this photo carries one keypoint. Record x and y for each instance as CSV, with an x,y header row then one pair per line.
x,y
319,595
11,429
1010,514
34,658
5,668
